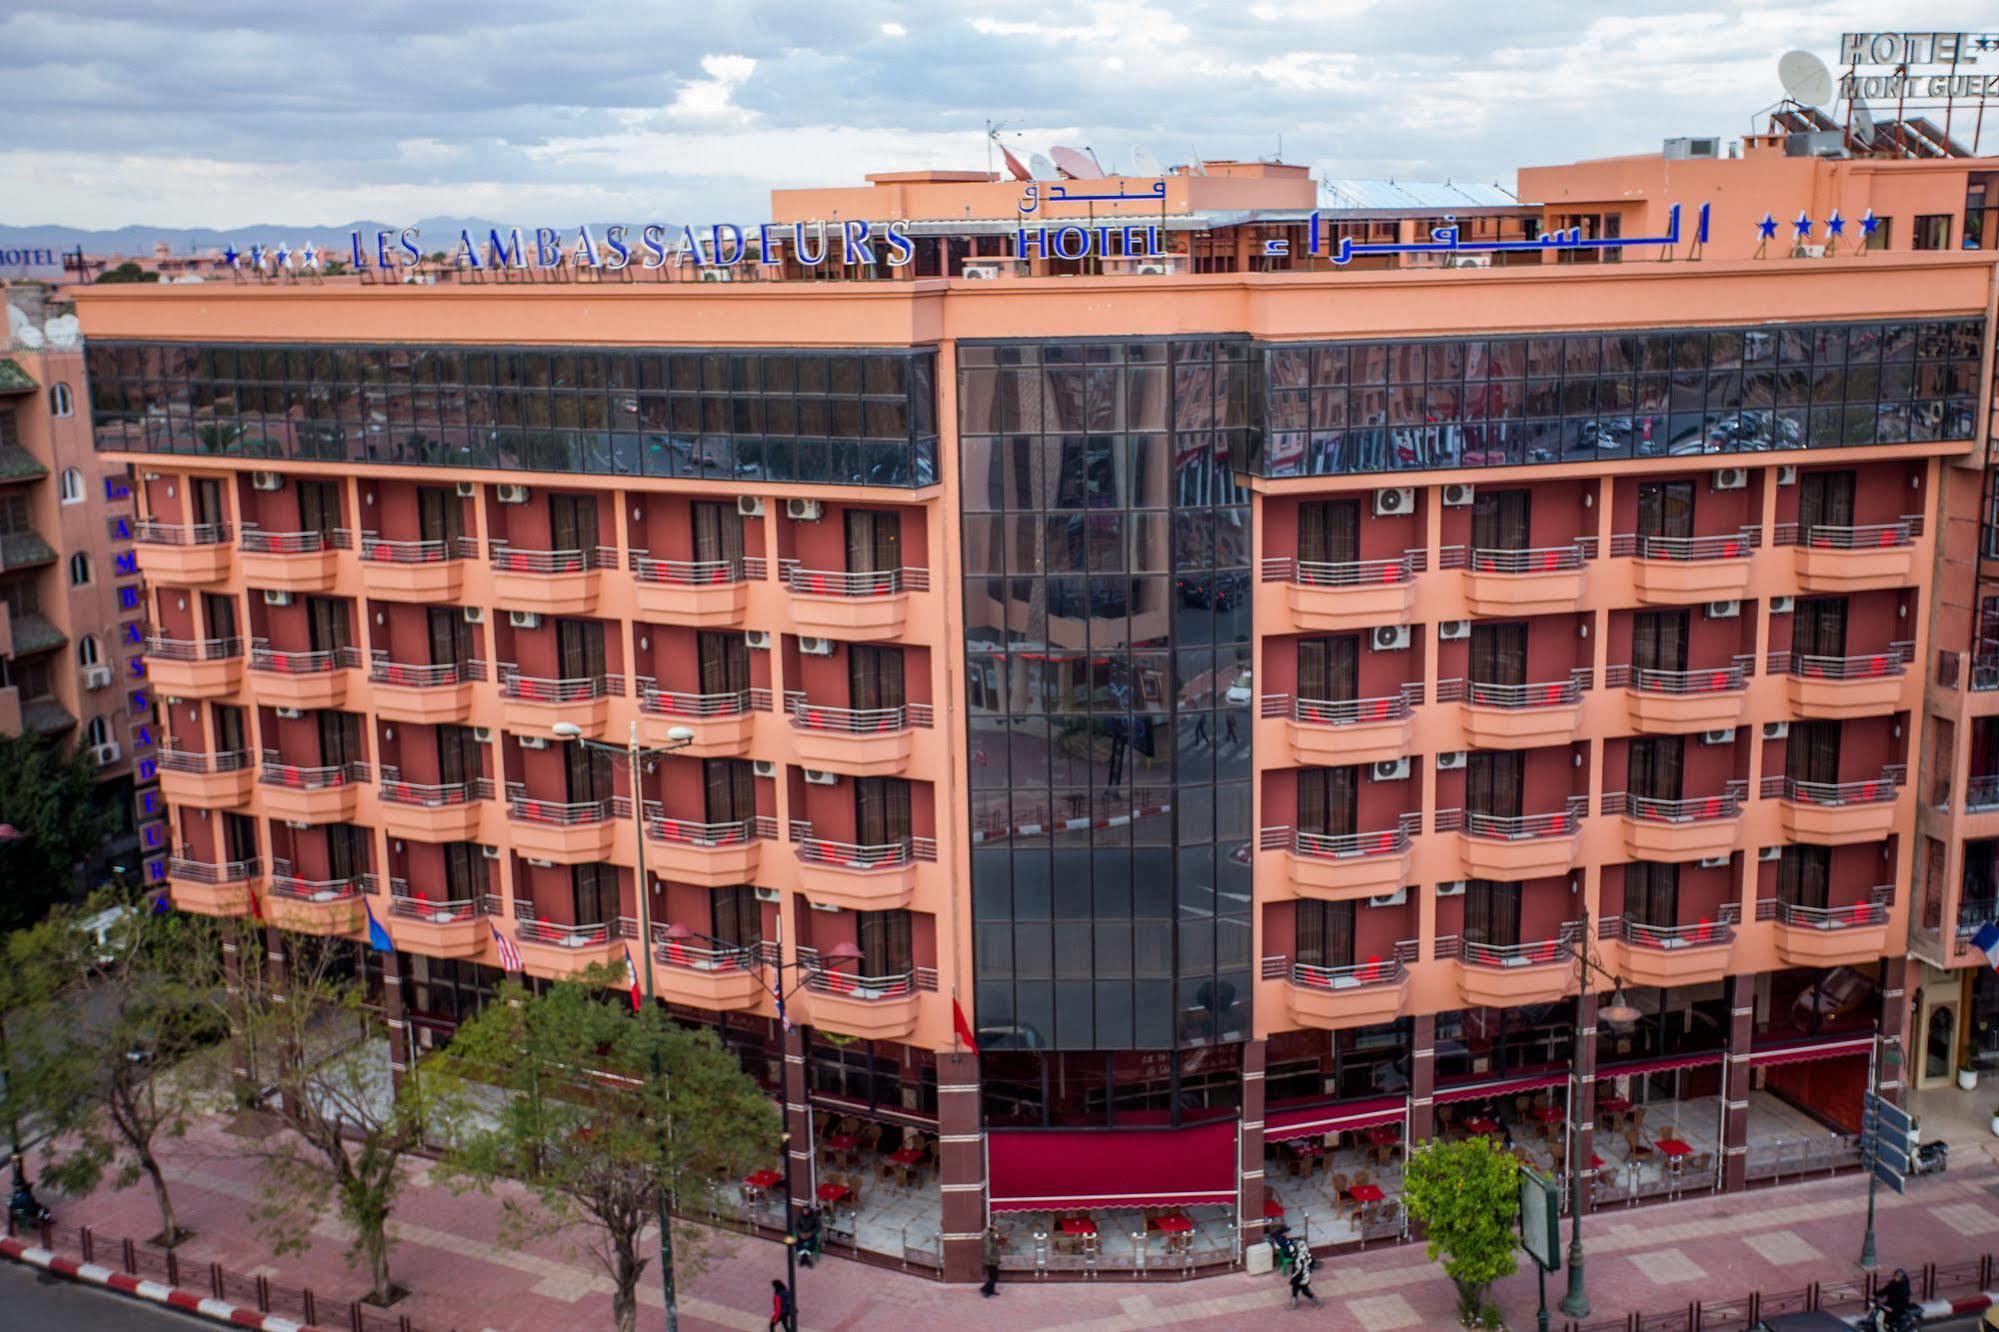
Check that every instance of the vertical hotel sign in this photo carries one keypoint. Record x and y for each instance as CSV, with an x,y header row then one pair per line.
x,y
149,808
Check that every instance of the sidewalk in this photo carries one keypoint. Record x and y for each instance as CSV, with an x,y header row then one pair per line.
x,y
1645,1259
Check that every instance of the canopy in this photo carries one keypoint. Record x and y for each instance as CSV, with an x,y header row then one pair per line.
x,y
1659,1064
1801,1054
1478,1091
1045,1170
1310,1121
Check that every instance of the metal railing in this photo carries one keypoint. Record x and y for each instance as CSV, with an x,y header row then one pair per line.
x,y
1532,560
147,532
1874,911
1866,536
413,675
523,808
1374,971
1357,573
830,980
1349,712
432,795
375,550
1544,694
274,771
1712,680
546,933
1873,665
1698,935
1974,913
1671,549
847,855
1688,809
539,689
844,721
690,832
672,703
1540,952
840,583
1981,792
409,906
321,890
685,573
264,657
257,541
203,871
188,760
509,559
1873,791
1341,846
700,956
193,649
1565,822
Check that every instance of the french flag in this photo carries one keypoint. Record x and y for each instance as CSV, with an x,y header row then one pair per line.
x,y
632,975
1986,941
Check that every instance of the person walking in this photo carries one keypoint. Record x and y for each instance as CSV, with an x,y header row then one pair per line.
x,y
783,1314
989,1252
1301,1277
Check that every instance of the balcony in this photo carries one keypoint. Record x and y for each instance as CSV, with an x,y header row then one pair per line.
x,y
213,889
721,980
205,781
423,695
1530,846
433,812
1836,560
1835,688
194,667
702,594
861,878
831,603
419,924
1699,828
722,723
1981,793
550,582
1836,813
301,680
1541,581
1522,716
415,570
570,832
1681,702
535,704
558,952
1506,975
292,561
712,855
861,742
326,794
317,906
1668,955
1328,733
1683,571
881,1008
1340,868
182,554
1840,936
1336,598
1333,998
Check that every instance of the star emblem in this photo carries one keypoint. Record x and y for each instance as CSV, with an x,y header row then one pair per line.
x,y
257,257
1868,223
1767,227
1803,225
1835,225
230,257
282,256
309,256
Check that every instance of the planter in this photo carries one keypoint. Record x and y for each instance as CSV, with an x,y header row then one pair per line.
x,y
1967,1079
1995,1123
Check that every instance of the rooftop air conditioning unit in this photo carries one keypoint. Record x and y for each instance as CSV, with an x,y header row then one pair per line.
x,y
277,597
468,489
1769,853
96,677
804,510
1712,862
1451,888
534,742
1777,730
1388,503
105,755
1688,148
1390,638
769,895
764,767
489,852
750,506
715,275
1451,760
1723,610
1787,475
290,714
1457,496
483,734
266,481
475,614
1730,478
1781,605
1396,898
757,638
984,272
1392,770
1724,736
816,647
524,619
1451,630
1152,270
511,494
814,777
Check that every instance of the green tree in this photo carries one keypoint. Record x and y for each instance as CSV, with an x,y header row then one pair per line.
x,y
30,988
595,1134
1467,1195
129,271
49,794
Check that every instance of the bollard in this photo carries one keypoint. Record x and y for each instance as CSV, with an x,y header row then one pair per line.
x,y
308,1304
263,1295
403,1324
86,1242
354,1317
128,1257
216,1286
1929,1281
173,1269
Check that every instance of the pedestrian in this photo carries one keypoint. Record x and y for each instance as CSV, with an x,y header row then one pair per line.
x,y
809,1235
1301,1277
989,1251
783,1317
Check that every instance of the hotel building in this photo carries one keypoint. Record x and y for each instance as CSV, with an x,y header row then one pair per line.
x,y
1240,683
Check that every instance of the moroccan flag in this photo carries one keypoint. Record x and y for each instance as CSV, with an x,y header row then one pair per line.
x,y
962,1027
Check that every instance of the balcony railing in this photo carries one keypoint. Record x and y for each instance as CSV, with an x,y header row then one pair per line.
x,y
1341,846
1871,912
537,689
524,808
260,542
274,771
150,533
1691,809
408,906
202,871
1342,712
1868,536
194,649
1871,666
1523,827
1721,546
1872,791
512,559
1973,914
840,583
1539,559
412,675
1982,792
1354,573
1701,934
321,890
378,551
830,980
264,657
691,832
1544,694
1377,971
1711,680
1538,953
432,795
530,930
685,573
671,703
854,721
699,957
189,760
847,855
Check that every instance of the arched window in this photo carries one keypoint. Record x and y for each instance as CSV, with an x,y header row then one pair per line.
x,y
96,733
86,650
72,486
79,569
61,401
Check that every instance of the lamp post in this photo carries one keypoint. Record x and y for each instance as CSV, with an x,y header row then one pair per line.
x,y
635,754
1617,1013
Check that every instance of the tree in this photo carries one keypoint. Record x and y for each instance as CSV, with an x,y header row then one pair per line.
x,y
129,271
29,989
50,796
594,1133
1467,1195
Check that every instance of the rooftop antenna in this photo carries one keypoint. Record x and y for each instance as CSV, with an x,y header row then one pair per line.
x,y
1013,166
1042,168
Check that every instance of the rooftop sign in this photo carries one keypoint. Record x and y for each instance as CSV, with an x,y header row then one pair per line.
x,y
1903,52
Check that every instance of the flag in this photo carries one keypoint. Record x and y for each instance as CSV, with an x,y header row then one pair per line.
x,y
1986,941
962,1027
510,956
256,905
632,972
378,938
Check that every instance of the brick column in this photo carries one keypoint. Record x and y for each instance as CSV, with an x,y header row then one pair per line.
x,y
799,1164
1582,1095
392,1009
1422,1078
1735,1084
1250,1215
1894,1029
961,1156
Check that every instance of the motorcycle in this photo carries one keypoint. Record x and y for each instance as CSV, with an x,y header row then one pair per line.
x,y
1880,1319
24,1209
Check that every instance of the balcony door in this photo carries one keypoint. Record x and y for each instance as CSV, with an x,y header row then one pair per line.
x,y
1492,913
1325,933
460,756
450,636
1502,519
874,677
1812,752
1498,654
718,533
339,738
1659,641
729,789
1329,669
1818,627
1665,509
230,733
1327,801
326,623
204,496
218,614
1653,766
1652,893
464,872
239,837
1329,532
885,943
440,516
724,662
881,811
594,888
579,647
1492,783
319,508
346,851
572,524
1804,875
1825,499
735,916
874,541
587,773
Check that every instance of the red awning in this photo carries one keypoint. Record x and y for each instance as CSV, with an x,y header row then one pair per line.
x,y
1662,1064
1032,1171
1310,1121
1504,1087
1802,1054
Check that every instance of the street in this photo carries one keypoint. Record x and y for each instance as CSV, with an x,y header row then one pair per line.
x,y
41,1303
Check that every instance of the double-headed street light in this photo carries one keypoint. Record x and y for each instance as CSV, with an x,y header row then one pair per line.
x,y
1617,1013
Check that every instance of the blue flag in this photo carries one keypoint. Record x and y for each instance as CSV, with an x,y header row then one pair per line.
x,y
1986,941
378,938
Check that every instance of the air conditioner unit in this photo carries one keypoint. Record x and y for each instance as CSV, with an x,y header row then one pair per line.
x,y
467,489
764,767
814,777
1451,888
489,852
104,755
1782,605
96,677
1724,736
297,825
266,481
715,275
984,272
1451,630
1787,475
804,510
483,734
474,614
524,619
1388,503
827,907
1153,270
816,647
769,895
1730,478
534,742
1451,760
750,506
277,597
1712,862
1396,898
1770,853
539,863
757,638
1392,770
290,714
511,494
1723,610
1457,496
1390,638
1777,730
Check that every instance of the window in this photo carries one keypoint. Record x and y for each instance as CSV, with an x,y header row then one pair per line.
x,y
1652,893
1325,933
1932,231
14,517
736,916
96,733
79,570
1884,234
61,401
1981,211
87,650
72,486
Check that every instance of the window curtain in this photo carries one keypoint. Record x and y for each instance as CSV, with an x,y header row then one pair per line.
x,y
218,612
1499,654
229,733
326,624
1329,669
881,811
730,790
1326,801
239,837
450,636
874,677
580,648
1659,641
339,738
458,754
596,892
318,507
440,516
718,532
735,916
587,772
1804,875
874,541
572,522
1329,532
1818,627
206,497
1325,933
724,661
1653,766
1825,499
884,943
1492,783
1492,913
1666,508
1502,519
1652,893
464,872
1812,752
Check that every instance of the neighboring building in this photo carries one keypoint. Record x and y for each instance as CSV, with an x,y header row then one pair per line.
x,y
1236,689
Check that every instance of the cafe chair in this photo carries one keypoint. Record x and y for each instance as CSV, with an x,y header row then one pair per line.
x,y
1640,1149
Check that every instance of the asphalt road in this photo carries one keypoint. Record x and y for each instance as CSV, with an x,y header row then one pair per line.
x,y
35,1302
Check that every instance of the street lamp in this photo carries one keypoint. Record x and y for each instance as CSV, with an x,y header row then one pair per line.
x,y
1617,1013
635,754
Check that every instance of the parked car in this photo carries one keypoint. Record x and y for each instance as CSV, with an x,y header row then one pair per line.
x,y
1840,993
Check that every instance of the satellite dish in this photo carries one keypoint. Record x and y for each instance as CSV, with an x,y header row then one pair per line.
x,y
1075,164
1805,78
1145,164
1863,124
1042,168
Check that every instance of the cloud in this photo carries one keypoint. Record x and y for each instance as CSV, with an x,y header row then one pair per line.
x,y
708,100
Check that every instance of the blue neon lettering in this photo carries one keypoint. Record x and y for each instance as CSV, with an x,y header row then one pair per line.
x,y
1067,232
804,251
768,246
468,253
854,247
653,241
547,247
585,252
504,257
412,256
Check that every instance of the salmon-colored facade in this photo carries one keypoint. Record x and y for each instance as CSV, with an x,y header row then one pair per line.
x,y
1239,693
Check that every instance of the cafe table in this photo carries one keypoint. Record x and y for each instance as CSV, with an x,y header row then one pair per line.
x,y
763,1179
1078,1225
1482,1126
1366,1193
1672,1147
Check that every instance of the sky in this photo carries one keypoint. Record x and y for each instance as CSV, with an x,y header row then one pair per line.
x,y
224,113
